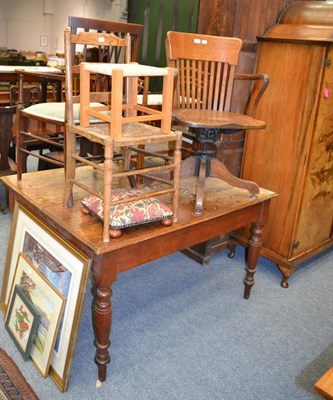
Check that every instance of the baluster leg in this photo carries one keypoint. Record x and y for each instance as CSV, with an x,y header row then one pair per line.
x,y
104,274
253,255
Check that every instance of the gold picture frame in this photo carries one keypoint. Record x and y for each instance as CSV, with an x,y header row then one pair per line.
x,y
48,252
49,303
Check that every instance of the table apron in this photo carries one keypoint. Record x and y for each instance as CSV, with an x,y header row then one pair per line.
x,y
153,248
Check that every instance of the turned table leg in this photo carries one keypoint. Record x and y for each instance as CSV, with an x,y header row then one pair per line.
x,y
103,275
253,255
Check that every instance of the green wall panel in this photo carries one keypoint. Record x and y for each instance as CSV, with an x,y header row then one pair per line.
x,y
159,17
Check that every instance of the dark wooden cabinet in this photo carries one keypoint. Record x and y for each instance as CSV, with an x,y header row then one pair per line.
x,y
294,155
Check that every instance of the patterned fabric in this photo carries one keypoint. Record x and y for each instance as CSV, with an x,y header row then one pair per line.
x,y
135,212
13,385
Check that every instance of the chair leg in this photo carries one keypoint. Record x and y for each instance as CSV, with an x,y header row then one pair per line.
x,y
21,158
140,162
200,187
188,166
127,166
70,165
218,170
176,174
108,164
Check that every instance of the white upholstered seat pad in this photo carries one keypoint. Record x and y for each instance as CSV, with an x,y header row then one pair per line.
x,y
131,69
56,111
152,100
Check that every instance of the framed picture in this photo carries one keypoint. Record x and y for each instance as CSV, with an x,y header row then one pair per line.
x,y
63,266
49,303
22,321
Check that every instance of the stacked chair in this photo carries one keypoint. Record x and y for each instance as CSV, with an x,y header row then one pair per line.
x,y
113,120
42,125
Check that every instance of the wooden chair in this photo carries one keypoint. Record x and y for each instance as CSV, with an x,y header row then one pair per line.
x,y
7,166
123,125
206,75
44,122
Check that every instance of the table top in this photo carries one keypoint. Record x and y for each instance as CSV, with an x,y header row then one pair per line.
x,y
43,192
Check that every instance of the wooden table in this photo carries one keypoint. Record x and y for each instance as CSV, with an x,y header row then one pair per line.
x,y
225,209
42,75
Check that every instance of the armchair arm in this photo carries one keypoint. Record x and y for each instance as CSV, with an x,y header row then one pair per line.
x,y
259,85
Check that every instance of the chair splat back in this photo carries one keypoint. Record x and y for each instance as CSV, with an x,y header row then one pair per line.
x,y
107,45
110,49
117,28
206,66
206,74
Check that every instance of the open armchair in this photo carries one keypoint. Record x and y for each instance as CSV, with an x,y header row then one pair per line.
x,y
207,73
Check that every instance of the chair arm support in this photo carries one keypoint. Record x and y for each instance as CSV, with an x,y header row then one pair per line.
x,y
259,85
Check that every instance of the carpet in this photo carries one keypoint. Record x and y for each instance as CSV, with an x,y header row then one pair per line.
x,y
12,383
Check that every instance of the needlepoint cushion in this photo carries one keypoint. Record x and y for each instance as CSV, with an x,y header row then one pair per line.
x,y
131,213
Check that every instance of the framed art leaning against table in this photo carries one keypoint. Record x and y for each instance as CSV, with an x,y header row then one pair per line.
x,y
63,266
22,321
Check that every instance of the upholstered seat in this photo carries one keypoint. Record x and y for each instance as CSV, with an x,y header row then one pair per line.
x,y
56,111
134,212
154,99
